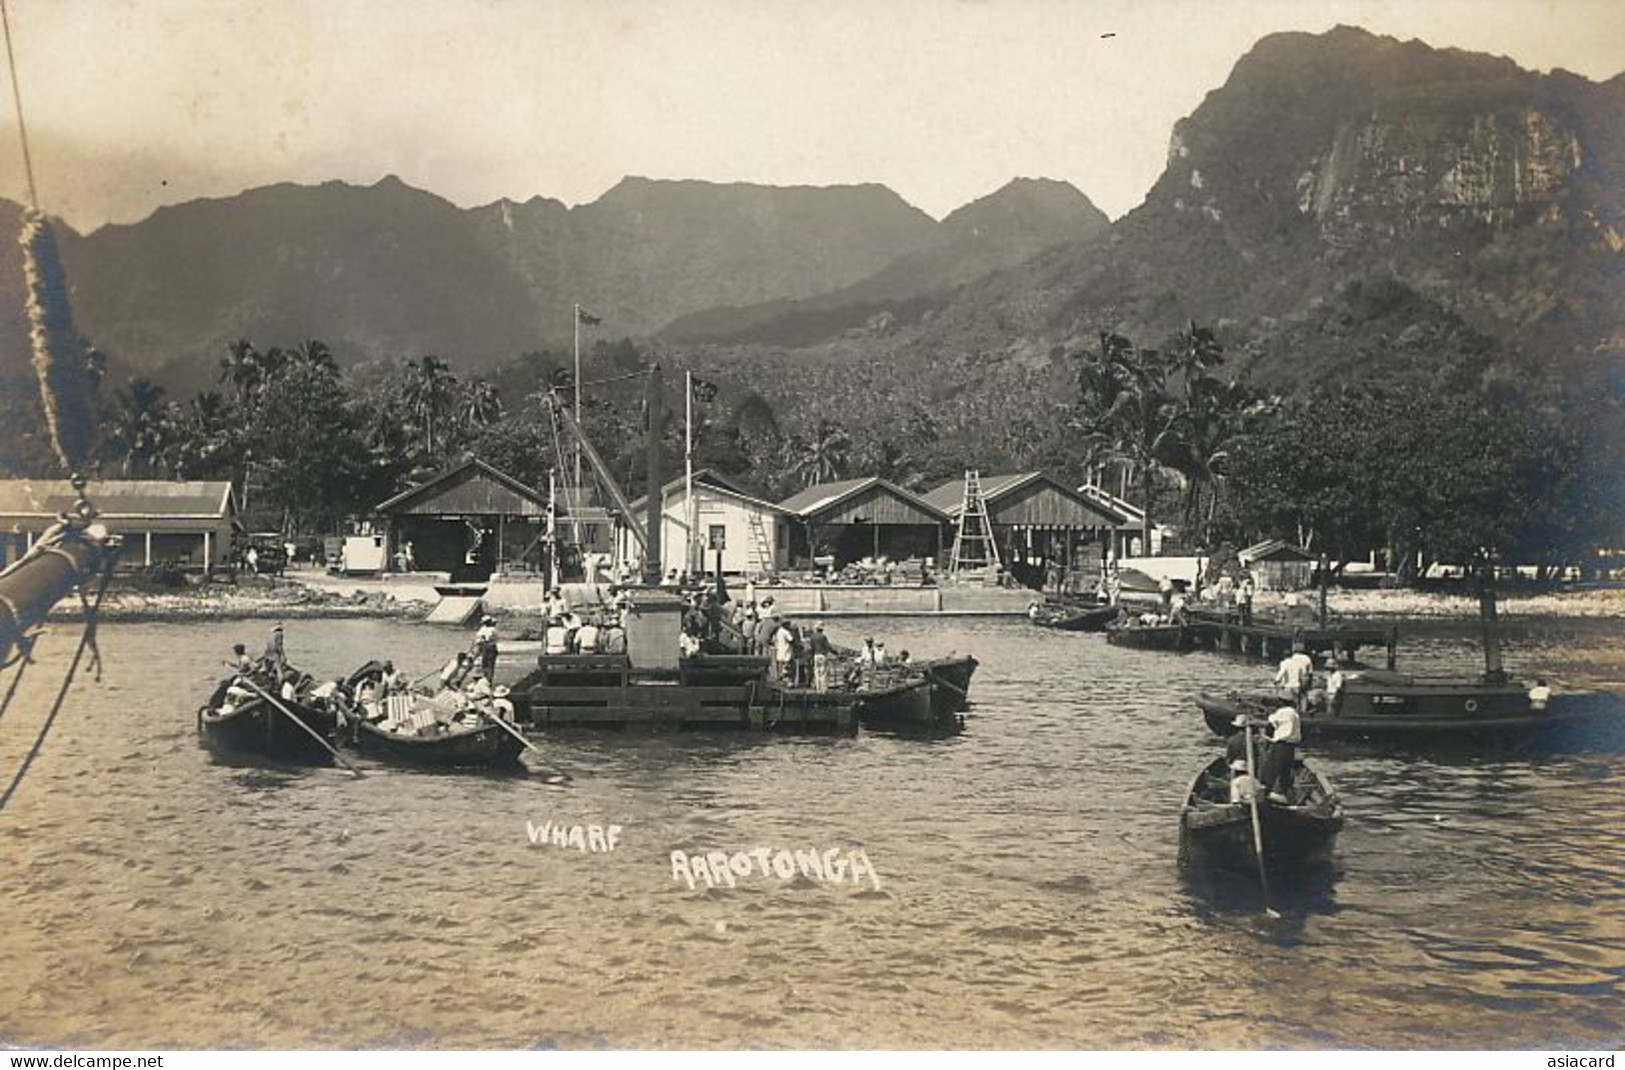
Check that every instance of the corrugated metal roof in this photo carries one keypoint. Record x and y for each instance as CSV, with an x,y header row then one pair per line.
x,y
116,498
950,496
531,502
708,478
821,497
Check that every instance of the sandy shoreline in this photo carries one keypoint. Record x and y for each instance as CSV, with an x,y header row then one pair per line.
x,y
317,595
259,599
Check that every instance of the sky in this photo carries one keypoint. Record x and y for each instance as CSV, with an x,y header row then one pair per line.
x,y
132,104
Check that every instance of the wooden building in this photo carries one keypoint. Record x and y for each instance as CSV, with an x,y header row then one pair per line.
x,y
753,535
189,523
1278,566
1038,522
857,518
470,520
1130,531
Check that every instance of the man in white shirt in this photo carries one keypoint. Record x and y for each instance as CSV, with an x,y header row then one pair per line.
x,y
1293,675
558,637
1286,731
587,637
485,641
1243,788
783,651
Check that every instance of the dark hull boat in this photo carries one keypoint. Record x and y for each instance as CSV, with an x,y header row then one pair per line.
x,y
907,697
953,675
1075,617
1149,636
257,726
1216,831
1380,705
485,746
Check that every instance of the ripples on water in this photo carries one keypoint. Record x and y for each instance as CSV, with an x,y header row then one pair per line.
x,y
1030,894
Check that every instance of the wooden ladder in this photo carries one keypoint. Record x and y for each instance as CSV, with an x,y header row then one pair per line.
x,y
760,543
974,547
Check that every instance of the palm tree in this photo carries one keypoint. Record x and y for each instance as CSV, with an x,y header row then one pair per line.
x,y
429,393
142,425
823,456
479,405
240,368
315,354
1125,411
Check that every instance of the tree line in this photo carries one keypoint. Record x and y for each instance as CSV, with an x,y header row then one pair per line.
x,y
1441,466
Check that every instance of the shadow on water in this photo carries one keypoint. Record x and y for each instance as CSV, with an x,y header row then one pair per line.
x,y
1219,893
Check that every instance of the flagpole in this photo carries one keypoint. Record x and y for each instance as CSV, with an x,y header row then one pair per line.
x,y
691,516
575,322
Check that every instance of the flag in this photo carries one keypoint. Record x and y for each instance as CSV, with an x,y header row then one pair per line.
x,y
587,317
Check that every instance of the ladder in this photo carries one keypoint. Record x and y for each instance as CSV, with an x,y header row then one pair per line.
x,y
760,543
974,547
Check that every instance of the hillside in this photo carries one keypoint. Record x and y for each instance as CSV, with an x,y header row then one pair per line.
x,y
1344,205
389,270
994,232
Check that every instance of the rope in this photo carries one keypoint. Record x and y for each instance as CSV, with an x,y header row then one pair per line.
x,y
17,99
86,640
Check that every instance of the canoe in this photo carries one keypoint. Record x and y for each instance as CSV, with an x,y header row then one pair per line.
x,y
1212,829
256,726
1381,705
1149,636
1074,618
486,745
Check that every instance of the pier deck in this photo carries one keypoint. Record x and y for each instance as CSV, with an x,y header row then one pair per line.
x,y
726,692
1211,630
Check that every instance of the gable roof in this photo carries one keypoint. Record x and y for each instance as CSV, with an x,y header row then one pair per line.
x,y
121,498
457,475
822,497
950,496
708,478
1273,549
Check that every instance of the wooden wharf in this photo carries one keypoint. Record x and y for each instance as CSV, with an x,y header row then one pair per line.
x,y
1212,629
710,692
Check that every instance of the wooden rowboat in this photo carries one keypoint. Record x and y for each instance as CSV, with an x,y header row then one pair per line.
x,y
1074,618
257,726
1149,636
485,745
1296,834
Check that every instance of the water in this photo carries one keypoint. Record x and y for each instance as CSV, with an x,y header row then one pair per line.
x,y
1030,895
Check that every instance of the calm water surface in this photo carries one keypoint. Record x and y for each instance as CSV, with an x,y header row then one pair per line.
x,y
1030,895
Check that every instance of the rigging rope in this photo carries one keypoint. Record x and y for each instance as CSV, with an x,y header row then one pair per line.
x,y
86,640
17,99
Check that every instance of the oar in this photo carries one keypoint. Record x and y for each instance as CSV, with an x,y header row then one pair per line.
x,y
1258,826
317,736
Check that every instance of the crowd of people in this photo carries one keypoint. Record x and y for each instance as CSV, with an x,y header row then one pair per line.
x,y
464,694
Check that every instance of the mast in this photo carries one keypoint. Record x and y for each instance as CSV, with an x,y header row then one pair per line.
x,y
552,532
691,512
1488,621
575,324
653,567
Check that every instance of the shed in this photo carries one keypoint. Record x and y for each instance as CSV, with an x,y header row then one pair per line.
x,y
1038,521
1278,566
470,520
856,518
752,534
188,522
1131,531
